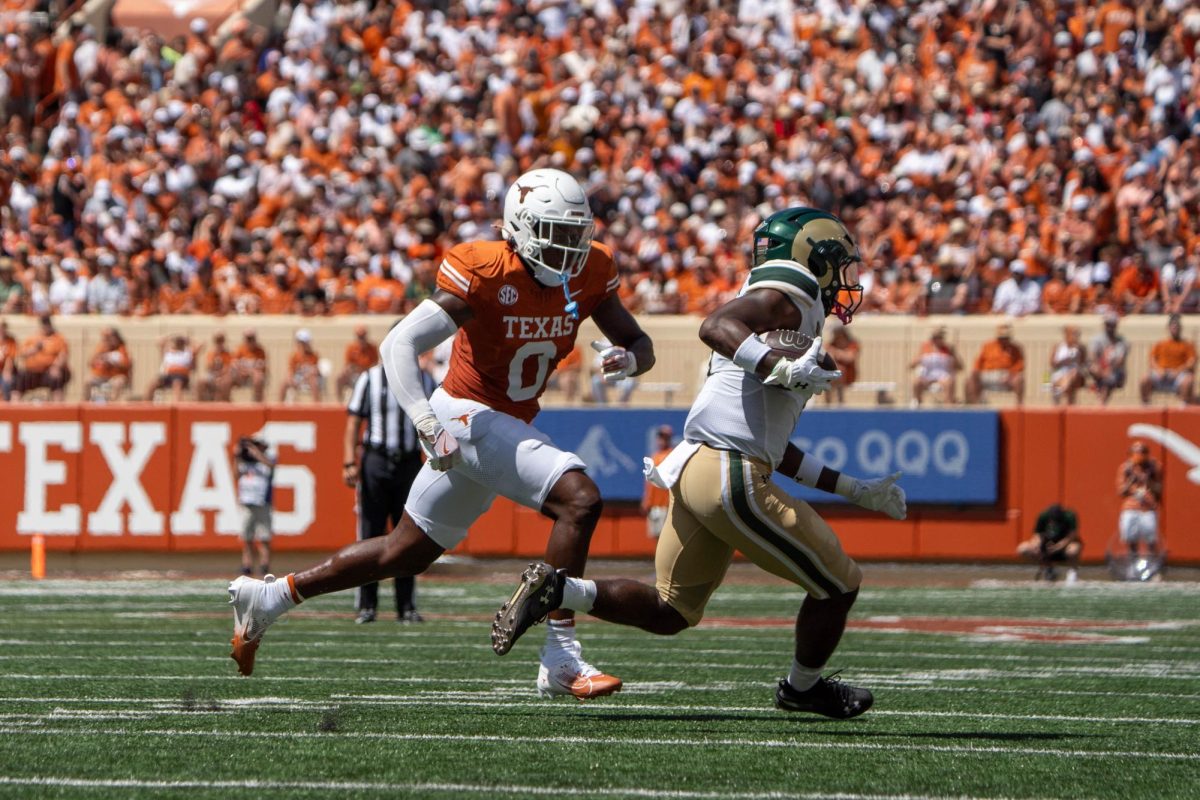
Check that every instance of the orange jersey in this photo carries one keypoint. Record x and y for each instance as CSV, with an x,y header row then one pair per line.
x,y
302,363
363,356
996,356
219,361
518,331
249,356
1139,485
8,351
1172,355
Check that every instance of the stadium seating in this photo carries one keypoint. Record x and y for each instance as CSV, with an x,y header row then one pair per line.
x,y
958,141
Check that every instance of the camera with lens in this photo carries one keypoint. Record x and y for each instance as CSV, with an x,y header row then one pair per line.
x,y
250,449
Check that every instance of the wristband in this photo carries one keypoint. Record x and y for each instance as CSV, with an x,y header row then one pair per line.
x,y
812,472
750,353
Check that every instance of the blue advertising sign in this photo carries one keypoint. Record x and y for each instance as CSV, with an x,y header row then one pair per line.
x,y
947,457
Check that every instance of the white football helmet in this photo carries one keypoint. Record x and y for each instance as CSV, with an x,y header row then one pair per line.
x,y
548,221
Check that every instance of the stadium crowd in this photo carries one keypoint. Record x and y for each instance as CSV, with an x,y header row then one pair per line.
x,y
992,157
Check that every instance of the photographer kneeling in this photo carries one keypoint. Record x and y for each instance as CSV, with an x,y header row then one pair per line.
x,y
1055,540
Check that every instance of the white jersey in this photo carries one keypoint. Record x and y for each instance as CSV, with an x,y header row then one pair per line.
x,y
734,410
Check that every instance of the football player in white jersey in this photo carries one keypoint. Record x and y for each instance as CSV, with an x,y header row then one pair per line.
x,y
723,497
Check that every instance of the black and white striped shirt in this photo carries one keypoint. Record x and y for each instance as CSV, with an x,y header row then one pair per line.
x,y
387,426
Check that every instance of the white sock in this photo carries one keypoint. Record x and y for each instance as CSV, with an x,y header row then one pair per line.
x,y
279,596
579,594
803,678
560,633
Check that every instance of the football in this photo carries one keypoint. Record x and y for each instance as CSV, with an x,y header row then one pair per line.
x,y
793,344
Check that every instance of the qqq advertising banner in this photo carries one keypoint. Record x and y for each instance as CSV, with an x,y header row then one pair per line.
x,y
949,457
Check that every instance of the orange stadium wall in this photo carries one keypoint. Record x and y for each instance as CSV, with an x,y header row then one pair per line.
x,y
161,478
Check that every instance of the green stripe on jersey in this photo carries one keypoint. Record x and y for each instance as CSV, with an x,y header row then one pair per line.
x,y
792,276
738,493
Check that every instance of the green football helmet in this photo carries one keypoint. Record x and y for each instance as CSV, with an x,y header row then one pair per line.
x,y
820,242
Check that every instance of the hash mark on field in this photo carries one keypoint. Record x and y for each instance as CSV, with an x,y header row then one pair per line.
x,y
460,788
619,741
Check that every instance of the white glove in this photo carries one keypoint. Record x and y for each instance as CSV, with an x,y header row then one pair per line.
x,y
616,363
880,494
803,374
440,448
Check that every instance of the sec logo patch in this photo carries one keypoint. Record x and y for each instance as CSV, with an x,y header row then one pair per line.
x,y
508,295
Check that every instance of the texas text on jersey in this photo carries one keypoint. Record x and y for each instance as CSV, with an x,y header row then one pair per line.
x,y
519,330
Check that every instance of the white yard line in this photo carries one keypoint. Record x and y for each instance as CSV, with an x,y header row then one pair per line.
x,y
368,643
489,699
459,788
1178,671
593,741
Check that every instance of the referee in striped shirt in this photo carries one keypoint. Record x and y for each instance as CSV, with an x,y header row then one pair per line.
x,y
382,458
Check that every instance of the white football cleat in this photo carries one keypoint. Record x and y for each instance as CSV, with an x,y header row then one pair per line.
x,y
251,618
564,672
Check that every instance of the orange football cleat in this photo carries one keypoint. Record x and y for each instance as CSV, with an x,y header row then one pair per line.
x,y
564,672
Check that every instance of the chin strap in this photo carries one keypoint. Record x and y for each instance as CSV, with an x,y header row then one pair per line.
x,y
571,307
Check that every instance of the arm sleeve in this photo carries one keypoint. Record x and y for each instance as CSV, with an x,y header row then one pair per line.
x,y
424,329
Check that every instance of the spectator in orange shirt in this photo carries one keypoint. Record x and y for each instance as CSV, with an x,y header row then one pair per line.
x,y
1136,287
937,365
1172,365
218,375
110,368
8,361
1000,366
250,365
380,294
1059,295
342,292
655,499
1139,485
43,358
361,355
844,349
175,371
304,373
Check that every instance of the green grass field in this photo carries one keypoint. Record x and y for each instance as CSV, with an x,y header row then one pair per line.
x,y
996,690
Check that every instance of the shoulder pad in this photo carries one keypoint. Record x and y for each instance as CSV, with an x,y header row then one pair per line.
x,y
788,277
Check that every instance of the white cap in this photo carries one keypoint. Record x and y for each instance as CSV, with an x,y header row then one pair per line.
x,y
1092,39
303,335
198,25
1017,267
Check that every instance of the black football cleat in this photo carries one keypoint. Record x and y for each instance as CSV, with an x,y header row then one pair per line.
x,y
539,593
828,697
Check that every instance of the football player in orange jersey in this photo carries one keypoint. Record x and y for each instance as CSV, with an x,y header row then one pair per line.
x,y
514,308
